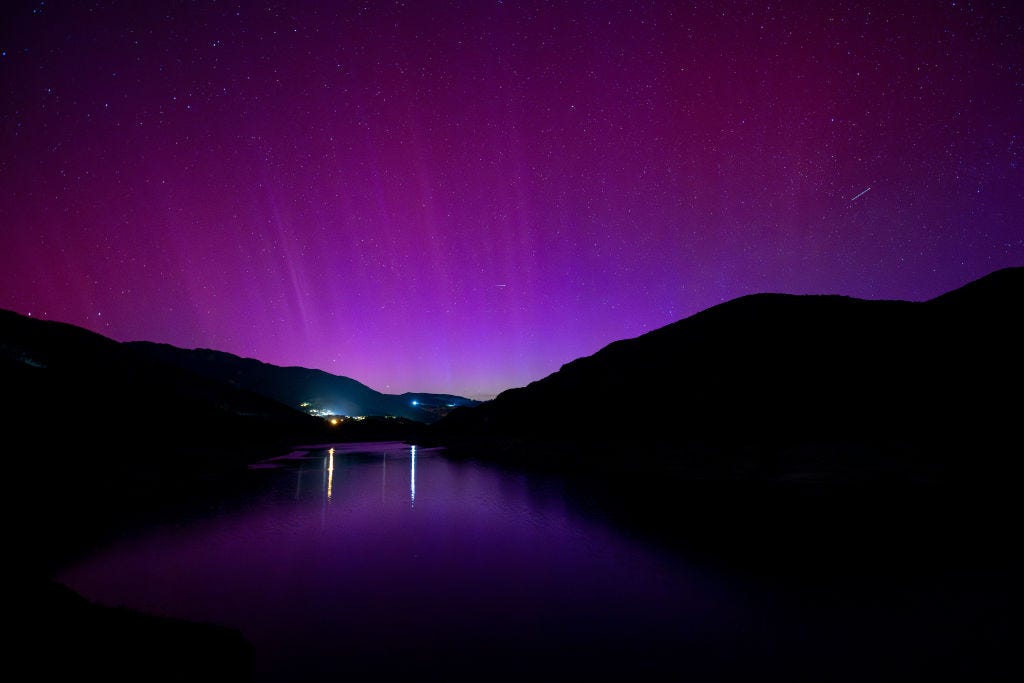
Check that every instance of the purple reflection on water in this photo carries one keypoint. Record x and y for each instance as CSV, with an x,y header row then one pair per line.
x,y
384,557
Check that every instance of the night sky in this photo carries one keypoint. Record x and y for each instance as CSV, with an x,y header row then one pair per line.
x,y
462,196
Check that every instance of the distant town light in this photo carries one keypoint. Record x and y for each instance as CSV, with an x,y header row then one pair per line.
x,y
334,421
415,403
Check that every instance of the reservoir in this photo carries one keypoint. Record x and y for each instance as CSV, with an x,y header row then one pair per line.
x,y
386,559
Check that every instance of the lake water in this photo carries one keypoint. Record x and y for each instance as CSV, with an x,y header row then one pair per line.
x,y
377,561
384,559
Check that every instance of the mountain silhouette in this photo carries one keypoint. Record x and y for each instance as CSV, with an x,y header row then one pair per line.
x,y
773,373
66,382
303,388
98,435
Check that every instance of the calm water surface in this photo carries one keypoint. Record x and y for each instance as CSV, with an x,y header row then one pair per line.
x,y
374,559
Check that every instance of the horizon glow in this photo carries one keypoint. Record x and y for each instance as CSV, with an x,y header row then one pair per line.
x,y
461,199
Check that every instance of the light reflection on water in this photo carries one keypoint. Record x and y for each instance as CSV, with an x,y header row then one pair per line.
x,y
330,471
356,554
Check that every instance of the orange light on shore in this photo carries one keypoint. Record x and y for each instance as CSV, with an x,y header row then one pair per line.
x,y
334,421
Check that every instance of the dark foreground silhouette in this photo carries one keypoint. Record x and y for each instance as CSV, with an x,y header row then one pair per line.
x,y
294,386
62,636
822,390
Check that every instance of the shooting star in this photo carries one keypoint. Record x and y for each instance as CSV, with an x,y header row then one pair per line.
x,y
861,195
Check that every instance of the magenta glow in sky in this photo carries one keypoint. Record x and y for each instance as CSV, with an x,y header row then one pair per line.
x,y
462,196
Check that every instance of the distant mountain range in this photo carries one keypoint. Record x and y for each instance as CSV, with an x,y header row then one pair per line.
x,y
759,371
302,388
773,372
64,381
61,381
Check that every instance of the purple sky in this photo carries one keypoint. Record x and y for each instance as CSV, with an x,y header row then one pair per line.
x,y
462,196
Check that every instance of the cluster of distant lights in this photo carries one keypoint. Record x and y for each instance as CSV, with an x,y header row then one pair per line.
x,y
332,417
335,419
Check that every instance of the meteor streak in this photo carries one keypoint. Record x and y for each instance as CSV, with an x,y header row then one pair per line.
x,y
861,195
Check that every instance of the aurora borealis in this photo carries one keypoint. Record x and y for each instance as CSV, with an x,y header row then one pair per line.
x,y
462,196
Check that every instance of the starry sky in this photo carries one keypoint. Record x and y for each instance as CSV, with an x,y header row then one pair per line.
x,y
462,196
